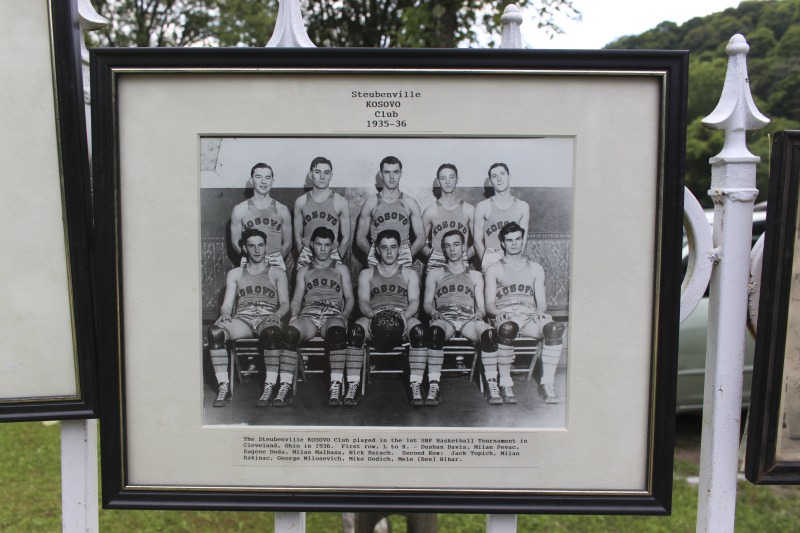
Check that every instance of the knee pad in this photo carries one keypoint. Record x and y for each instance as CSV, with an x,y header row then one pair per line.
x,y
507,332
435,337
292,338
270,338
336,338
216,336
489,340
357,336
417,336
553,330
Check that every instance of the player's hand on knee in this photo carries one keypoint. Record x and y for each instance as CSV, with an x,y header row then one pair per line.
x,y
222,319
273,320
437,316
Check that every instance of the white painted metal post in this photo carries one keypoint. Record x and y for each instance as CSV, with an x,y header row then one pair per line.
x,y
79,478
733,189
290,32
512,38
79,508
501,523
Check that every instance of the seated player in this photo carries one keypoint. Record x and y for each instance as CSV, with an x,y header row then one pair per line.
x,y
322,302
262,300
388,297
454,301
515,298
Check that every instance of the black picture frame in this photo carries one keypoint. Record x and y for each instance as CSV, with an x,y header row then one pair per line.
x,y
765,462
111,67
73,153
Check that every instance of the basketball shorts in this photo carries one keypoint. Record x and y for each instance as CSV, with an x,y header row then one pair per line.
x,y
437,260
254,322
490,257
523,315
456,315
405,258
273,259
305,257
320,312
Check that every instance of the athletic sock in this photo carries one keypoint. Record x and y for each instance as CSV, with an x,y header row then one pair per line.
x,y
435,359
505,358
489,360
338,359
272,360
416,363
288,364
219,360
355,358
551,353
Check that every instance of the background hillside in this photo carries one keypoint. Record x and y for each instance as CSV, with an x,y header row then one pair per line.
x,y
772,28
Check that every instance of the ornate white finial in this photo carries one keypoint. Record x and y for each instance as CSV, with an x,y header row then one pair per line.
x,y
511,19
89,19
736,112
290,30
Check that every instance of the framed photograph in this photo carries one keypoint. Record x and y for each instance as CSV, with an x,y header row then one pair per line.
x,y
47,353
261,318
773,438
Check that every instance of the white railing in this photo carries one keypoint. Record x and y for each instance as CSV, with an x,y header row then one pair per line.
x,y
725,259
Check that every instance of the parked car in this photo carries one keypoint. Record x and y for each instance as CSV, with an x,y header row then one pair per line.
x,y
693,335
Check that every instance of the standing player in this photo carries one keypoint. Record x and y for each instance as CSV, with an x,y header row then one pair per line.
x,y
454,301
322,301
262,300
390,209
320,207
494,213
266,214
388,297
448,213
515,298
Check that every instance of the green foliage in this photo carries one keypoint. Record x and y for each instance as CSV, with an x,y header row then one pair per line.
x,y
245,22
772,29
154,23
374,23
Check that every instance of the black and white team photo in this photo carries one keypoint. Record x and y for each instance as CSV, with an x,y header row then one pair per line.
x,y
386,281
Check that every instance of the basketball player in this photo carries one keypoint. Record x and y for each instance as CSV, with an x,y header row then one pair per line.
x,y
265,213
262,300
322,302
454,301
390,209
494,213
385,286
320,207
515,298
448,213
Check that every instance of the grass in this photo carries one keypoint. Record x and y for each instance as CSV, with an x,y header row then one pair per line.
x,y
30,489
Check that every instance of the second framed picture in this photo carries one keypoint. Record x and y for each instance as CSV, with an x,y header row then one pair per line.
x,y
361,279
773,438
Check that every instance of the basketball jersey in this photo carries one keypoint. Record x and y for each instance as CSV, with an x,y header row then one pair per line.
x,y
390,216
266,220
497,219
319,214
323,285
256,291
388,292
446,220
455,290
515,287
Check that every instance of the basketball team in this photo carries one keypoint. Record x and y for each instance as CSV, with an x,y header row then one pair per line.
x,y
489,308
